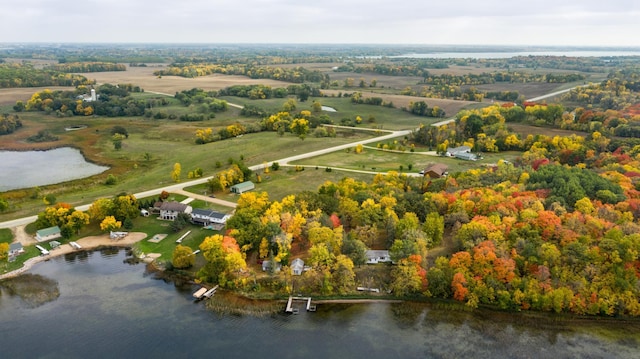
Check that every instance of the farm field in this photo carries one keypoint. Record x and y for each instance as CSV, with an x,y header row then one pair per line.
x,y
383,161
144,77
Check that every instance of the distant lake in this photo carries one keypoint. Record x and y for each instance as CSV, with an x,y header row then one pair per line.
x,y
506,55
110,309
25,169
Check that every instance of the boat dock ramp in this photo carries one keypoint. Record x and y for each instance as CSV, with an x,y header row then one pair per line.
x,y
292,299
183,236
204,292
43,252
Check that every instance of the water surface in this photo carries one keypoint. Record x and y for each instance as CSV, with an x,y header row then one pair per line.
x,y
25,169
110,309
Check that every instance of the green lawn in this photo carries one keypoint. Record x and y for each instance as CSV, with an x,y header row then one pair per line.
x,y
6,236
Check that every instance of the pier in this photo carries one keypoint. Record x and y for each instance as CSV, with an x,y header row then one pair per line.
x,y
203,292
291,309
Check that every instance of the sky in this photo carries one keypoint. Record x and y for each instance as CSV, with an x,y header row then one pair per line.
x,y
463,22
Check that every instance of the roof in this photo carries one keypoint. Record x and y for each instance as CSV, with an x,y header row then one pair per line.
x,y
376,253
438,168
48,231
207,213
173,206
459,149
15,246
297,263
247,184
466,156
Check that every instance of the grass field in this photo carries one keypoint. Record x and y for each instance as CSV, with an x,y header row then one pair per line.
x,y
6,236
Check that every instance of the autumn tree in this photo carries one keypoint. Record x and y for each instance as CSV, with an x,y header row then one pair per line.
x,y
183,257
175,174
109,223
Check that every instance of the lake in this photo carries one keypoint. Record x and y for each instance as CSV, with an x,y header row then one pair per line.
x,y
510,54
110,309
25,169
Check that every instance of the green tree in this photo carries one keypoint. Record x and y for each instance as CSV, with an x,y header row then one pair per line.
x,y
4,204
117,140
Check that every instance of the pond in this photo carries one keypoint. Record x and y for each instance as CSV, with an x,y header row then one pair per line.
x,y
25,169
109,308
328,109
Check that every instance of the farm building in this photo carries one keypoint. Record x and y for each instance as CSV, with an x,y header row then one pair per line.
x,y
467,156
242,187
48,234
170,210
297,266
435,171
377,256
451,152
207,217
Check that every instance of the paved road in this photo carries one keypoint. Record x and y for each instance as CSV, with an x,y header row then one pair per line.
x,y
551,94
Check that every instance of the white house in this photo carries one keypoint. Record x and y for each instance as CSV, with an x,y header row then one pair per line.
x,y
15,249
170,210
207,217
48,234
377,256
297,266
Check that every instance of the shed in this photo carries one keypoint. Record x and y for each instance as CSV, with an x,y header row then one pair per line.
x,y
144,213
48,234
242,187
297,266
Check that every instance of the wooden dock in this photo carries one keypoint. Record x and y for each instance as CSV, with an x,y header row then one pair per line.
x,y
291,309
183,236
199,294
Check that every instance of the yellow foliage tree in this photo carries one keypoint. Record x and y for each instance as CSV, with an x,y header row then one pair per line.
x,y
175,174
109,223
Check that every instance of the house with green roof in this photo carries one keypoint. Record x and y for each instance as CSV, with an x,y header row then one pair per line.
x,y
48,234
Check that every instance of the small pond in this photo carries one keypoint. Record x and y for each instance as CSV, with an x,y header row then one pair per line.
x,y
328,109
25,169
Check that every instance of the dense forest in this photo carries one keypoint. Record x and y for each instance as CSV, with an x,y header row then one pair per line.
x,y
26,75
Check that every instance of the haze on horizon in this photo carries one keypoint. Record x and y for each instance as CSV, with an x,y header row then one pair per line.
x,y
596,23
